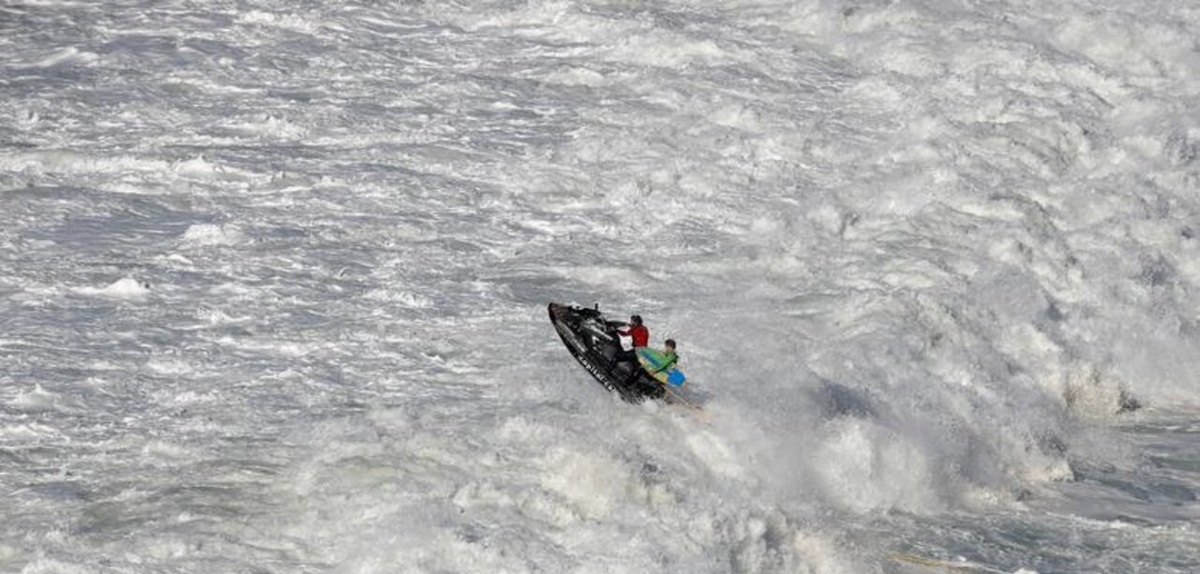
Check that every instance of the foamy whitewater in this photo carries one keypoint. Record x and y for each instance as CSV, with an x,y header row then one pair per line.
x,y
274,276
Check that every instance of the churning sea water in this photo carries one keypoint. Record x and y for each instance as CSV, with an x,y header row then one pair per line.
x,y
273,279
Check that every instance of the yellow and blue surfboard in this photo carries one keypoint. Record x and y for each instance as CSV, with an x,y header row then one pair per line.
x,y
661,367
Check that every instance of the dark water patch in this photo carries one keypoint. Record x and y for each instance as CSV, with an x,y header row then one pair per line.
x,y
1150,490
837,400
1184,464
533,287
1173,492
12,458
98,221
60,491
143,45
208,47
1157,273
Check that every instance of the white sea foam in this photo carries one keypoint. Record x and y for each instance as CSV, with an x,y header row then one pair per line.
x,y
36,400
63,56
124,288
208,234
924,261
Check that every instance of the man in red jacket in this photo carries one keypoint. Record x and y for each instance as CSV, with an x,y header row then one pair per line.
x,y
641,337
636,331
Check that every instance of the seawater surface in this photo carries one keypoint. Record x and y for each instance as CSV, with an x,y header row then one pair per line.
x,y
274,275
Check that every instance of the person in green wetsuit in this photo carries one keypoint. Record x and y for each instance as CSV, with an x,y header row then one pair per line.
x,y
658,362
672,358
